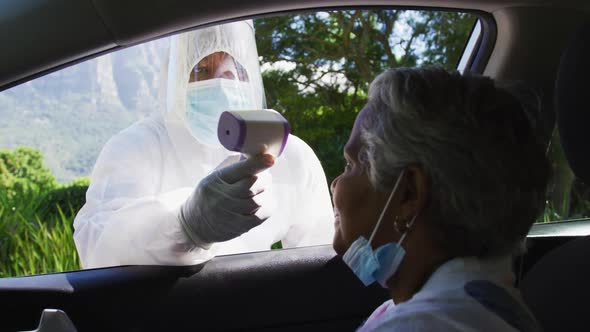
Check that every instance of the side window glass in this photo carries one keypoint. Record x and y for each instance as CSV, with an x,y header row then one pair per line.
x,y
568,198
51,133
319,66
314,68
470,47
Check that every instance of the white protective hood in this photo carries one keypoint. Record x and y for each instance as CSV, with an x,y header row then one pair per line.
x,y
187,49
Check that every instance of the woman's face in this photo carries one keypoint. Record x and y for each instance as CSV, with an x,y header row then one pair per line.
x,y
357,205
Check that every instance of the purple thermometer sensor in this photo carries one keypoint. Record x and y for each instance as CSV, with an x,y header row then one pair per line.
x,y
246,131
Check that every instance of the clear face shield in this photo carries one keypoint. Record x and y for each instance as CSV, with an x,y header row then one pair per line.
x,y
210,71
218,65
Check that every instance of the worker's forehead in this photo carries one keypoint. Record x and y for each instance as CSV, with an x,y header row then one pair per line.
x,y
216,59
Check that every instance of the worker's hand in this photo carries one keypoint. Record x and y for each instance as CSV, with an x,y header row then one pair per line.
x,y
229,202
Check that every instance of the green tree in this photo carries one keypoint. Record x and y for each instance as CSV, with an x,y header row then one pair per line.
x,y
23,178
36,215
328,60
29,189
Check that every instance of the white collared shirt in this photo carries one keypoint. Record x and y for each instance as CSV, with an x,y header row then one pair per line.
x,y
463,294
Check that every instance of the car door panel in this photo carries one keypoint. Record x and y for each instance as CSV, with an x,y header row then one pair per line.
x,y
305,288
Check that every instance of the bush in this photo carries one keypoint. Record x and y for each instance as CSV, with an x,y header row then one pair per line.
x,y
24,180
36,236
67,199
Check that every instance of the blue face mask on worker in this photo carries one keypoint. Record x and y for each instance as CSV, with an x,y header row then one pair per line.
x,y
206,100
379,265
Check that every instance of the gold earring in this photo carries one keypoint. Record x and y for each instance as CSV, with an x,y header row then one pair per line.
x,y
395,225
408,224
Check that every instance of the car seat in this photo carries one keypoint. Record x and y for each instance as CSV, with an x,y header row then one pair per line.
x,y
557,288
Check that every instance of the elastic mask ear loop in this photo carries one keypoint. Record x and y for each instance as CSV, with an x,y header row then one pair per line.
x,y
401,175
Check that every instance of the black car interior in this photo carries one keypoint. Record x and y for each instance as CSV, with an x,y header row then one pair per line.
x,y
555,288
303,289
306,289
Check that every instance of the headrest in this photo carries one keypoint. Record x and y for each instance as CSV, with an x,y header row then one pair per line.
x,y
572,102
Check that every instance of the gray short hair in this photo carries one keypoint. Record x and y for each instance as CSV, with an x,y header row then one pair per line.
x,y
477,143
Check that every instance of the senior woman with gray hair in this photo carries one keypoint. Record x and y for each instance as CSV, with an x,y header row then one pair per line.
x,y
444,177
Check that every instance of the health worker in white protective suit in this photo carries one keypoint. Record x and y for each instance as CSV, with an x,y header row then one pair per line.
x,y
164,191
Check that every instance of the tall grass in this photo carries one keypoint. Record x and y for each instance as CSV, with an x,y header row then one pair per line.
x,y
39,247
30,245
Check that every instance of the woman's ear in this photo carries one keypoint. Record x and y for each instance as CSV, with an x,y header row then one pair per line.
x,y
415,192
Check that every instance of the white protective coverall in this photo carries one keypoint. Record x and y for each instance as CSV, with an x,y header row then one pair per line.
x,y
146,172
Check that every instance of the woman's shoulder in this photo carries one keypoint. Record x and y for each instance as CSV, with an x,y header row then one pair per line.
x,y
415,317
409,317
451,310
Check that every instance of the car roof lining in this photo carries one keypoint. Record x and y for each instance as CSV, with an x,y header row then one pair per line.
x,y
173,16
68,31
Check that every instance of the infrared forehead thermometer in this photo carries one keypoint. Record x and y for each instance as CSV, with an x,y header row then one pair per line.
x,y
247,131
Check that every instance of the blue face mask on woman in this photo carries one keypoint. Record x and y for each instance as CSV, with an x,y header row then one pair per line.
x,y
206,100
379,265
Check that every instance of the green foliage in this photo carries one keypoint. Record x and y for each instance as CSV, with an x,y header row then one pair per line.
x,y
28,188
36,236
31,246
67,198
329,58
447,34
567,196
23,175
